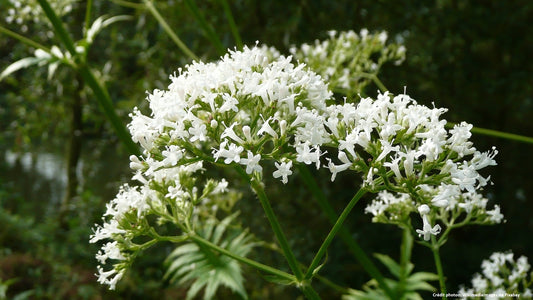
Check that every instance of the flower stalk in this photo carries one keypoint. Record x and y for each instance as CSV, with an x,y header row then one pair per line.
x,y
438,265
332,233
276,228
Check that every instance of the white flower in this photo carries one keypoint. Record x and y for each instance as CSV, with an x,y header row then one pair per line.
x,y
252,163
198,131
427,230
479,283
175,192
221,187
334,169
387,148
305,155
283,171
394,166
104,275
266,128
109,250
228,132
231,154
495,214
172,155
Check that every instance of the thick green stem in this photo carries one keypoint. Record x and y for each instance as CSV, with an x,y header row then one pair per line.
x,y
169,30
405,258
438,265
257,186
346,237
309,292
329,238
58,27
244,260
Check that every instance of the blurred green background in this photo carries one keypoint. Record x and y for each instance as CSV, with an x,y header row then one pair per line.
x,y
60,161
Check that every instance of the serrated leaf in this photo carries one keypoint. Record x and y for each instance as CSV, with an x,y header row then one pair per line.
x,y
393,266
420,285
21,64
413,296
206,269
221,228
364,295
423,276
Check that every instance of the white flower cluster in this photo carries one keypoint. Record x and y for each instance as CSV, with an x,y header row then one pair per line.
x,y
239,110
29,10
404,147
457,209
346,59
167,193
247,108
501,275
254,106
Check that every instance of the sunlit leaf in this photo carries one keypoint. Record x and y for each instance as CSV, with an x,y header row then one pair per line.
x,y
102,23
21,64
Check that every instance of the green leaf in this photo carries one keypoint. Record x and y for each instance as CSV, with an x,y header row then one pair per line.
x,y
102,23
423,276
206,269
367,295
278,280
52,67
393,266
21,64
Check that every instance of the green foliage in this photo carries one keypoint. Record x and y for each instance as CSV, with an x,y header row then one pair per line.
x,y
405,284
193,262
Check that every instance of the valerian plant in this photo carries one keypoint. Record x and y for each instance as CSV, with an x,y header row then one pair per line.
x,y
256,110
502,276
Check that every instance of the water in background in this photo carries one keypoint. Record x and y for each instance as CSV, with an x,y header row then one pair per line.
x,y
39,177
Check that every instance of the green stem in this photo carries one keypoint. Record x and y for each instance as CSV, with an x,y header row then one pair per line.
x,y
232,25
129,4
257,186
169,30
336,287
210,32
406,250
438,265
23,39
103,98
405,259
106,104
496,133
375,79
329,238
244,260
346,237
87,23
58,27
309,292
